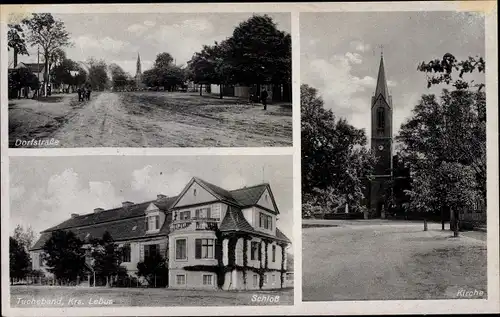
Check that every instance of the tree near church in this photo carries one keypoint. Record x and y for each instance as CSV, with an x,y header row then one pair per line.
x,y
64,256
49,34
441,135
19,260
443,71
119,78
107,256
335,161
164,73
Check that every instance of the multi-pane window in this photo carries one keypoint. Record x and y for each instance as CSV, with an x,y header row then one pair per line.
x,y
203,213
254,251
274,279
151,250
126,253
273,253
181,279
265,279
207,279
265,221
40,259
180,249
153,223
204,248
185,215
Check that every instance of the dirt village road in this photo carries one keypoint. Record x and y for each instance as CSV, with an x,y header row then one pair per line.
x,y
149,119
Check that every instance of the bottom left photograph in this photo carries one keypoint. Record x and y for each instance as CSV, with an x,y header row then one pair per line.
x,y
151,231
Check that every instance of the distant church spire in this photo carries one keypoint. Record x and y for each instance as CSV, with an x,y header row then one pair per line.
x,y
138,69
382,81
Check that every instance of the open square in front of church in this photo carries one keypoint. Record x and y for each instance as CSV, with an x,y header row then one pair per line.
x,y
149,119
390,260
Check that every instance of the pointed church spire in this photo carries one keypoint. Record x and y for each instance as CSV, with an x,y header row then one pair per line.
x,y
138,70
382,81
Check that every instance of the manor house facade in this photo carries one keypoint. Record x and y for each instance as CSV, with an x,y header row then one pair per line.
x,y
210,237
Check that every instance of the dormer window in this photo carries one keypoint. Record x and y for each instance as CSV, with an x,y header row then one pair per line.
x,y
265,221
153,223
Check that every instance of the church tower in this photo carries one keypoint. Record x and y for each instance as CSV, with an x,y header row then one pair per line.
x,y
381,144
138,73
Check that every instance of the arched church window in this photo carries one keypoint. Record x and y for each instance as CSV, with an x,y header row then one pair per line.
x,y
381,118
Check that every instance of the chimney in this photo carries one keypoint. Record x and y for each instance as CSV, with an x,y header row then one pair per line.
x,y
127,203
97,210
74,215
161,196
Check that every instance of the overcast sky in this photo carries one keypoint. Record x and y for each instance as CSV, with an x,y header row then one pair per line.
x,y
118,37
340,55
45,191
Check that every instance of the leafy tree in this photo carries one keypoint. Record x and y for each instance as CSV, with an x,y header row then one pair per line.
x,y
64,255
107,257
259,52
21,78
50,34
16,41
163,60
154,269
441,134
445,67
24,237
98,75
19,260
335,162
119,78
210,66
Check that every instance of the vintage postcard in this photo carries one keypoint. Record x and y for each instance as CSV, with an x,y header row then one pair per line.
x,y
149,80
151,231
249,159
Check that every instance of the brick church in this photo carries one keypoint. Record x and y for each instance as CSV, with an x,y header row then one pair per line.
x,y
379,188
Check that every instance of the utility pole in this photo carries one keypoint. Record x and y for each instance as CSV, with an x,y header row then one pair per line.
x,y
38,70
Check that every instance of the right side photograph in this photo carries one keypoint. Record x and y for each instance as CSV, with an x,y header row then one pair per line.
x,y
393,139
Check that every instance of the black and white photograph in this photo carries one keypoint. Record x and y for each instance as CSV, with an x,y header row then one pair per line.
x,y
105,231
393,116
149,80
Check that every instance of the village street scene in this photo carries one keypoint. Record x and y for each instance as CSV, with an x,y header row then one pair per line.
x,y
103,231
393,156
150,80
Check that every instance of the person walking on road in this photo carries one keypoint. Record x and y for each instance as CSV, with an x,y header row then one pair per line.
x,y
263,98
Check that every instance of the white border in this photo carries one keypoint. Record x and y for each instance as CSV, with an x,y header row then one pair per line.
x,y
492,304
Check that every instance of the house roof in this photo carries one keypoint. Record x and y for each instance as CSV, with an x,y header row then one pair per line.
x,y
127,229
114,214
120,221
235,221
34,67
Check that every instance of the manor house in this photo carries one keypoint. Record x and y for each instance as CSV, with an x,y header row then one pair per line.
x,y
203,229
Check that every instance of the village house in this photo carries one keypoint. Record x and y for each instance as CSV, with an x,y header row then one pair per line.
x,y
210,237
37,69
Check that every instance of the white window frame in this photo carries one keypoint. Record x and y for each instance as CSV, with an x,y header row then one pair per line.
x,y
265,279
175,249
210,279
177,279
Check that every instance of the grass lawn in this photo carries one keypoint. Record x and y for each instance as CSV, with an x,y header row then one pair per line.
x,y
390,261
91,297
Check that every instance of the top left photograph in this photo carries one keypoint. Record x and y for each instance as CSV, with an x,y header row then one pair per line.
x,y
149,80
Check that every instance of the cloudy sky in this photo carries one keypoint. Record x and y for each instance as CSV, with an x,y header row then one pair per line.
x,y
340,55
45,191
118,38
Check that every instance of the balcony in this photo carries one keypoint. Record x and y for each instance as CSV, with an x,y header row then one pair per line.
x,y
199,223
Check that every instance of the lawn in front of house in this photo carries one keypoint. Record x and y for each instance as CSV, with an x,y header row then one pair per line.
x,y
65,296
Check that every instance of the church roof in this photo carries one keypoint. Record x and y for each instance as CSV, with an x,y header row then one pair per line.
x,y
382,82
